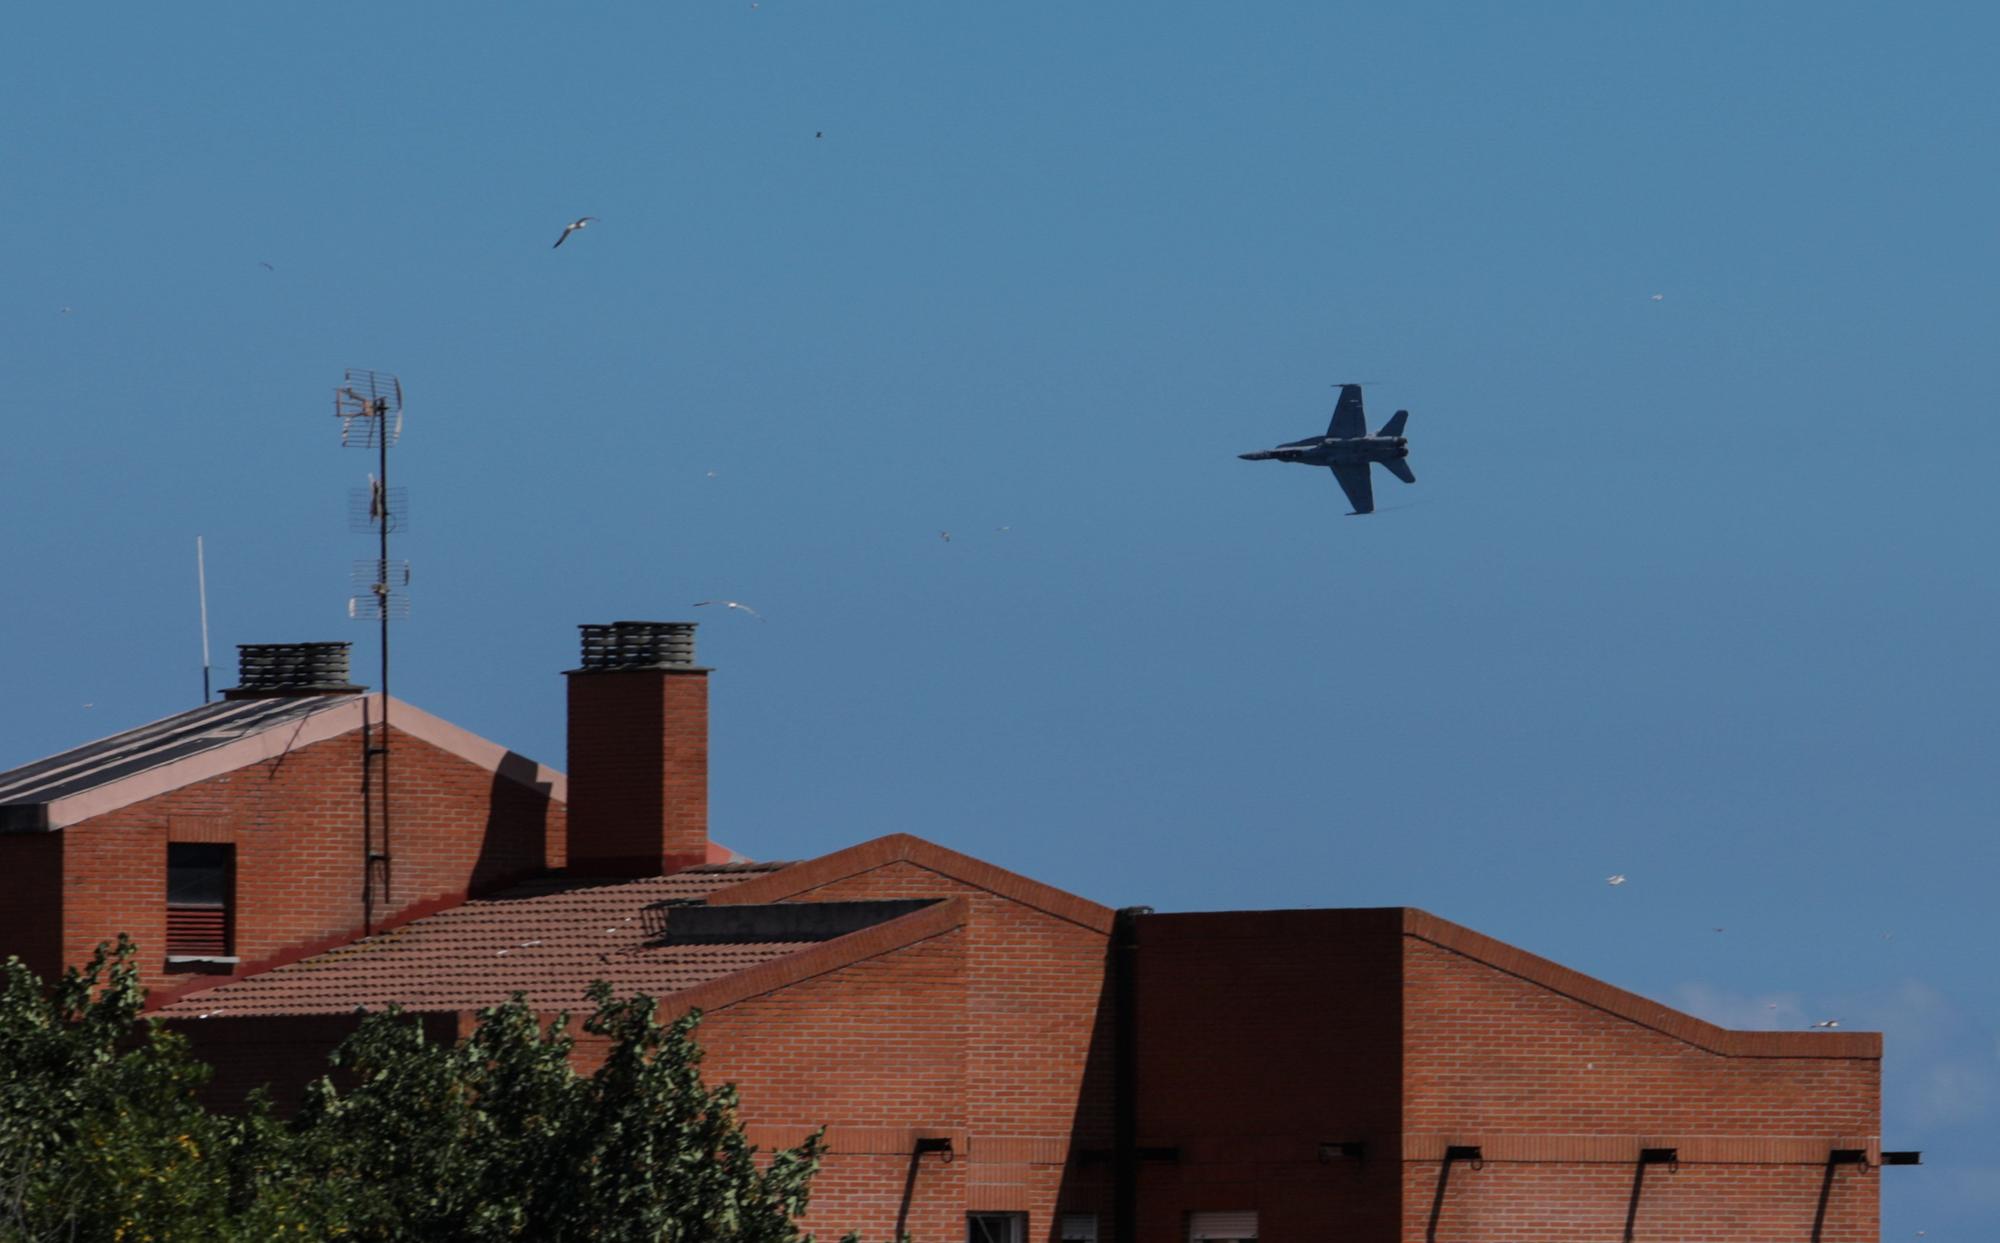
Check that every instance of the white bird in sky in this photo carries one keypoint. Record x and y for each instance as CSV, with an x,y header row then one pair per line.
x,y
581,222
1659,297
731,604
1827,1023
1616,878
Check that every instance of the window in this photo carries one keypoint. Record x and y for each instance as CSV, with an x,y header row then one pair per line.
x,y
198,901
1233,1227
1079,1228
996,1228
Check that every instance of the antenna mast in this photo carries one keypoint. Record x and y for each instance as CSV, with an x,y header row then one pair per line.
x,y
369,405
201,586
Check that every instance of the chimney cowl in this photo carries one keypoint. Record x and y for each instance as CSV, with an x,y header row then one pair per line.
x,y
273,670
638,645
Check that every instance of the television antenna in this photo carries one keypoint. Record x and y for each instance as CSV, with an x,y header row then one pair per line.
x,y
201,589
366,507
369,405
382,591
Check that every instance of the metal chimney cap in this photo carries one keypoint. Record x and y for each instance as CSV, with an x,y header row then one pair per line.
x,y
272,669
638,645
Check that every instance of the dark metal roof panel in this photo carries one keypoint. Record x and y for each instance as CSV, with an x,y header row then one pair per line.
x,y
149,746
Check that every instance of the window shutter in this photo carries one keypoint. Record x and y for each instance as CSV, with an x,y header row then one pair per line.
x,y
198,931
1222,1226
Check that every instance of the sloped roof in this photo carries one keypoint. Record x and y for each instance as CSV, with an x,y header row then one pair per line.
x,y
548,938
220,737
1590,991
893,848
551,939
94,764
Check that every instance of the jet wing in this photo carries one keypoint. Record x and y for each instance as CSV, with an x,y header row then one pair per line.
x,y
1353,479
1400,468
1348,422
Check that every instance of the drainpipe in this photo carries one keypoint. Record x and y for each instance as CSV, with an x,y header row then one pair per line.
x,y
1125,1074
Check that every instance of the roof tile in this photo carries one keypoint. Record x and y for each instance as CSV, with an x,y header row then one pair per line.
x,y
548,938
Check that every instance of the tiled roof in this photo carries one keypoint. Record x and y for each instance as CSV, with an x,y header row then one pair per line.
x,y
149,746
549,939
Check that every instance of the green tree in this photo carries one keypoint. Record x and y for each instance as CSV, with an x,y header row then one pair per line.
x,y
495,1137
101,1135
498,1138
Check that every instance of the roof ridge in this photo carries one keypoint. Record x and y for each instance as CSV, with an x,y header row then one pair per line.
x,y
128,744
1630,1006
900,847
177,751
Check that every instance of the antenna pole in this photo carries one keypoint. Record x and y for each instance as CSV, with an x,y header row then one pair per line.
x,y
369,405
201,585
382,594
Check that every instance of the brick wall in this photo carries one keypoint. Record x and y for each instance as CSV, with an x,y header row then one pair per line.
x,y
296,825
638,756
876,1053
1561,1094
1592,1202
1263,1035
283,1053
1035,1027
31,907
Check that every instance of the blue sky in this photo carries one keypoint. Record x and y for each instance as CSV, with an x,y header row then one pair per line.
x,y
1696,589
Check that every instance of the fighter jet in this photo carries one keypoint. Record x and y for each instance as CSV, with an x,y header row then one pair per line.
x,y
1347,448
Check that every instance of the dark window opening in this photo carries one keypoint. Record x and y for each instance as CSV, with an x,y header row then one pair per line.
x,y
198,899
997,1228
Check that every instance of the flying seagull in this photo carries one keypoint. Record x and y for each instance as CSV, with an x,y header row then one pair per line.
x,y
1616,878
581,222
732,604
1827,1023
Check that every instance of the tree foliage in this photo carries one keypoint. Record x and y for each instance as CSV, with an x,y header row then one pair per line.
x,y
494,1137
100,1133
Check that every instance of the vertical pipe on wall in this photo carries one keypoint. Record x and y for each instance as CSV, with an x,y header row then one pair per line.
x,y
1125,1074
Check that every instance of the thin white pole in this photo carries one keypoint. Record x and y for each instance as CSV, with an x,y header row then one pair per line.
x,y
201,580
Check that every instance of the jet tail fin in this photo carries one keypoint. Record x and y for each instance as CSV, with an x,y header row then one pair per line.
x,y
1394,427
1400,468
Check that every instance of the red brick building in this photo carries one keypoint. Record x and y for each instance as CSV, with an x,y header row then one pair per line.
x,y
992,1058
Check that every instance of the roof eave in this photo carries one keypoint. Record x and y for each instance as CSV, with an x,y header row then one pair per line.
x,y
341,717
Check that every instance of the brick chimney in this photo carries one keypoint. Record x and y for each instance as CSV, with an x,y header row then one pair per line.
x,y
638,751
276,670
